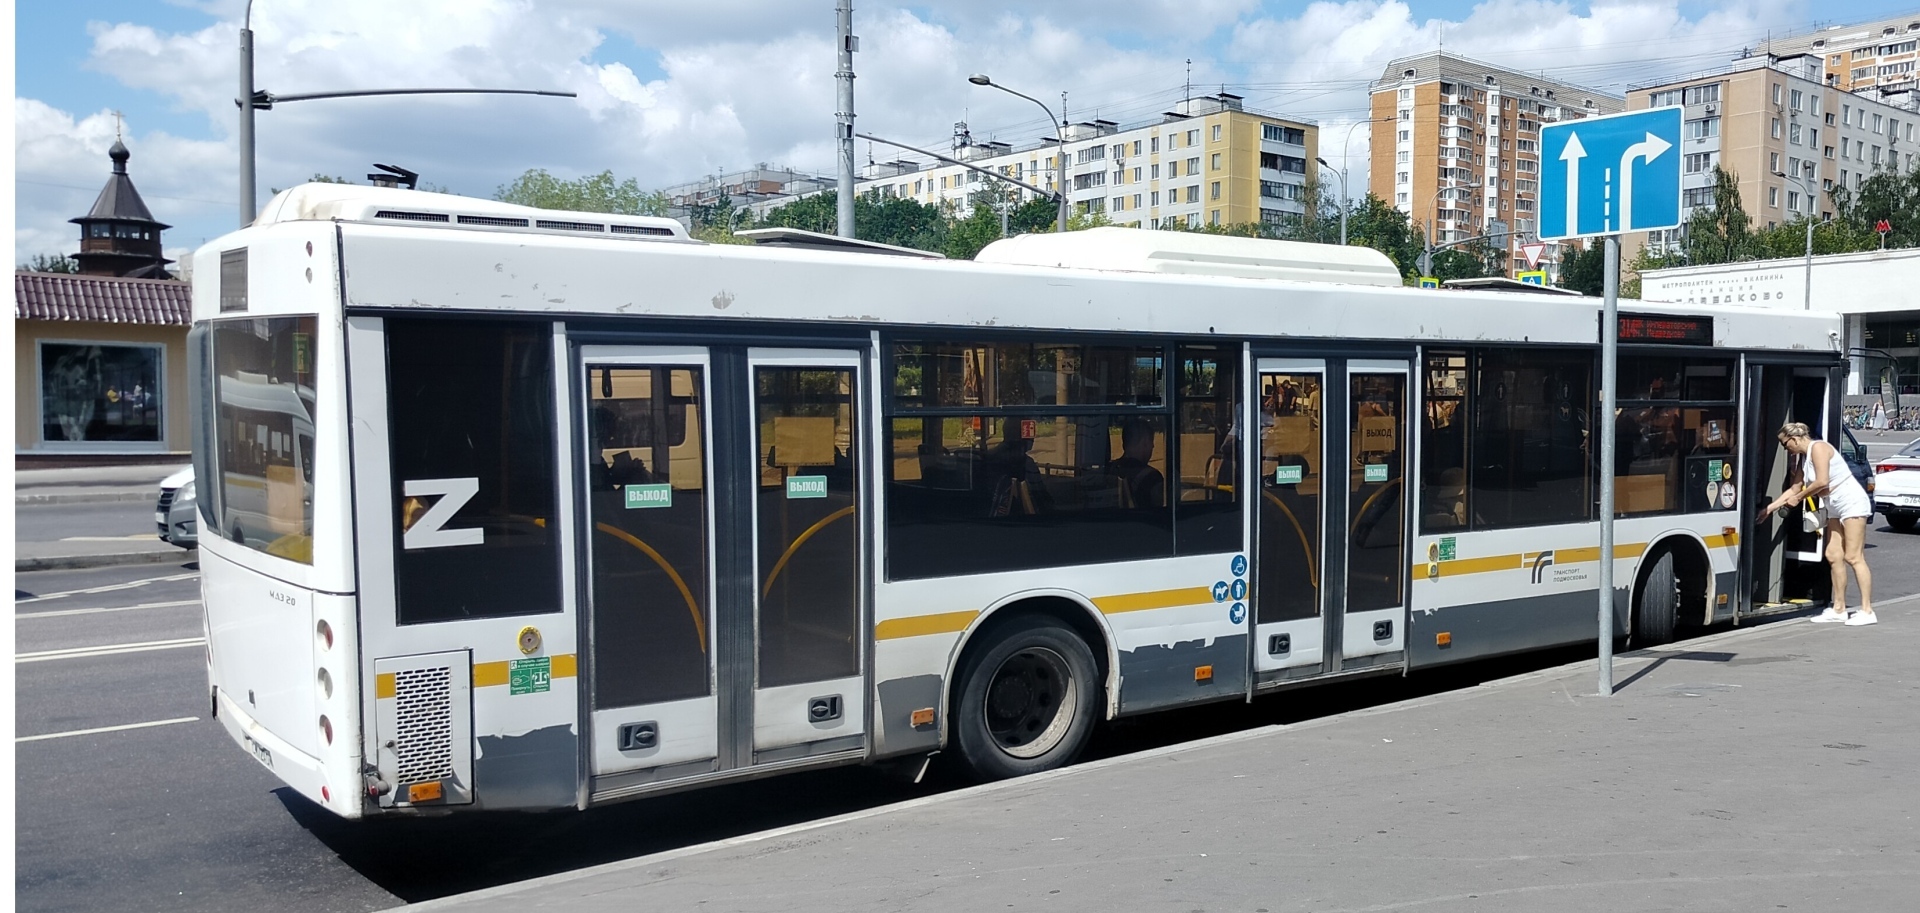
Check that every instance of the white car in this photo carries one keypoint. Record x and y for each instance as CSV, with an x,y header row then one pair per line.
x,y
176,512
1897,492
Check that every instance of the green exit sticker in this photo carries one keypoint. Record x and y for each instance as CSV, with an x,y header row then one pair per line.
x,y
1289,475
660,495
1376,472
529,676
1447,548
806,487
1713,470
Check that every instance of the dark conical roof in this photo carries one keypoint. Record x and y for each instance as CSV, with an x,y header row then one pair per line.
x,y
118,200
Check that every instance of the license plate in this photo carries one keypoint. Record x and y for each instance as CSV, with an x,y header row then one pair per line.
x,y
260,752
1910,500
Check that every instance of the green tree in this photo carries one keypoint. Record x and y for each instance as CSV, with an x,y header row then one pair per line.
x,y
1886,194
1035,215
817,213
1376,224
1723,232
966,237
51,263
591,193
1585,271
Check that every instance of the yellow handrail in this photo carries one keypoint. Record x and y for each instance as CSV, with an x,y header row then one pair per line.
x,y
699,625
798,541
1355,525
1312,578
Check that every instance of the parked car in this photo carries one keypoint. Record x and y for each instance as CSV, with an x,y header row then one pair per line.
x,y
1897,495
177,513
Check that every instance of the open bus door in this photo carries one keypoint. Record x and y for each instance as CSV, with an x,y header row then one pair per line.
x,y
1782,567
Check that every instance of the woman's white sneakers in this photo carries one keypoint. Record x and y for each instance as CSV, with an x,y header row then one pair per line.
x,y
1850,619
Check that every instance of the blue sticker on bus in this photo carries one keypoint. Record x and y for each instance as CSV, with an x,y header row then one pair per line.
x,y
1239,589
1239,565
1238,613
1220,591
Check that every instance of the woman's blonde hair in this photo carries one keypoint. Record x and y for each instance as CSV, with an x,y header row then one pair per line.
x,y
1795,429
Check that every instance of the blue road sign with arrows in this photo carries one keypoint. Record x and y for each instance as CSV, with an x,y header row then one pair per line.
x,y
1612,174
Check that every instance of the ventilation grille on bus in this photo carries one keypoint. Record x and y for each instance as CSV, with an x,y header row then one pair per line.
x,y
411,216
570,226
501,221
641,230
423,734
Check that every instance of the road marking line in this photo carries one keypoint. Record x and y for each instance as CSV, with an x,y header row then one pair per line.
x,y
95,611
62,735
107,650
135,536
106,589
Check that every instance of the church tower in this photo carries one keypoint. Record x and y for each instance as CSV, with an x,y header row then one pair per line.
x,y
119,237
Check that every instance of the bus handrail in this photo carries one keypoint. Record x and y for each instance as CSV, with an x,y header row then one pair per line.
x,y
699,626
1313,579
798,541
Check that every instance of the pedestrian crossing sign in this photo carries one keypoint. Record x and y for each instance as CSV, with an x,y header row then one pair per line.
x,y
1532,276
1429,282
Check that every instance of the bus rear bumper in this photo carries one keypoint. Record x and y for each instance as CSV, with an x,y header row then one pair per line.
x,y
303,772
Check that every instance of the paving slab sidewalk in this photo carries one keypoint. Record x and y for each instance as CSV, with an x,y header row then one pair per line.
x,y
1774,767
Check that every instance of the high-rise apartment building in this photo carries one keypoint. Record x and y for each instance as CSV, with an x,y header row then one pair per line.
x,y
1875,55
1211,161
1456,145
1785,130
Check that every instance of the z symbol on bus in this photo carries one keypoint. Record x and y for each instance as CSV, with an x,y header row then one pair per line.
x,y
423,525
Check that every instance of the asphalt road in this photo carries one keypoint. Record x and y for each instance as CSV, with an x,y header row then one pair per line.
x,y
173,816
115,520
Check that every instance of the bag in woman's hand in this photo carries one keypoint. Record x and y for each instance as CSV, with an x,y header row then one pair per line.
x,y
1813,517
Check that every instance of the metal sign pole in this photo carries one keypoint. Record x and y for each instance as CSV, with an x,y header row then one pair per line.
x,y
1609,372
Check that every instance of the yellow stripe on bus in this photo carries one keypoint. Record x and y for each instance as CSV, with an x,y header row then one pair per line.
x,y
1158,599
1561,556
564,665
917,625
383,685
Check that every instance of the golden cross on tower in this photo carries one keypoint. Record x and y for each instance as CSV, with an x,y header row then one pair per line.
x,y
118,123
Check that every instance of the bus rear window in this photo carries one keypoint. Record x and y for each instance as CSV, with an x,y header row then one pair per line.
x,y
263,435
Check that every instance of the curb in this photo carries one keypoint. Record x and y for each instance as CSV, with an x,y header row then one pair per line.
x,y
91,497
121,559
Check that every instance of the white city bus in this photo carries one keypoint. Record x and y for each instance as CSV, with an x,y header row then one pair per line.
x,y
527,510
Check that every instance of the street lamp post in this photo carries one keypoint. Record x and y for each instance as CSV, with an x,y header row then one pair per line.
x,y
252,100
1342,173
1813,206
1427,233
1060,133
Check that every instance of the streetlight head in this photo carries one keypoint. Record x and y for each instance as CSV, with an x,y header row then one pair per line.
x,y
1323,162
1779,174
980,79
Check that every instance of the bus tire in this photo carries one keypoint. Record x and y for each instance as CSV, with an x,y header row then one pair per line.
x,y
1656,607
1027,701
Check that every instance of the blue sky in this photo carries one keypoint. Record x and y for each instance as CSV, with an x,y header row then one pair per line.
x,y
671,91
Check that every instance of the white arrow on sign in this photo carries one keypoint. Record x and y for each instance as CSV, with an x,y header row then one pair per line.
x,y
1648,150
1572,156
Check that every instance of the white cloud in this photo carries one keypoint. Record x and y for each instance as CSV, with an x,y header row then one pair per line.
x,y
669,92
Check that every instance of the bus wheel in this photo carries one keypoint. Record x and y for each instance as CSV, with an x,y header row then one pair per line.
x,y
1027,702
1657,607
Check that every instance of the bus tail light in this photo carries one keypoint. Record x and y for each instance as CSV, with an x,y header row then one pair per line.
x,y
326,684
326,728
326,795
324,631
